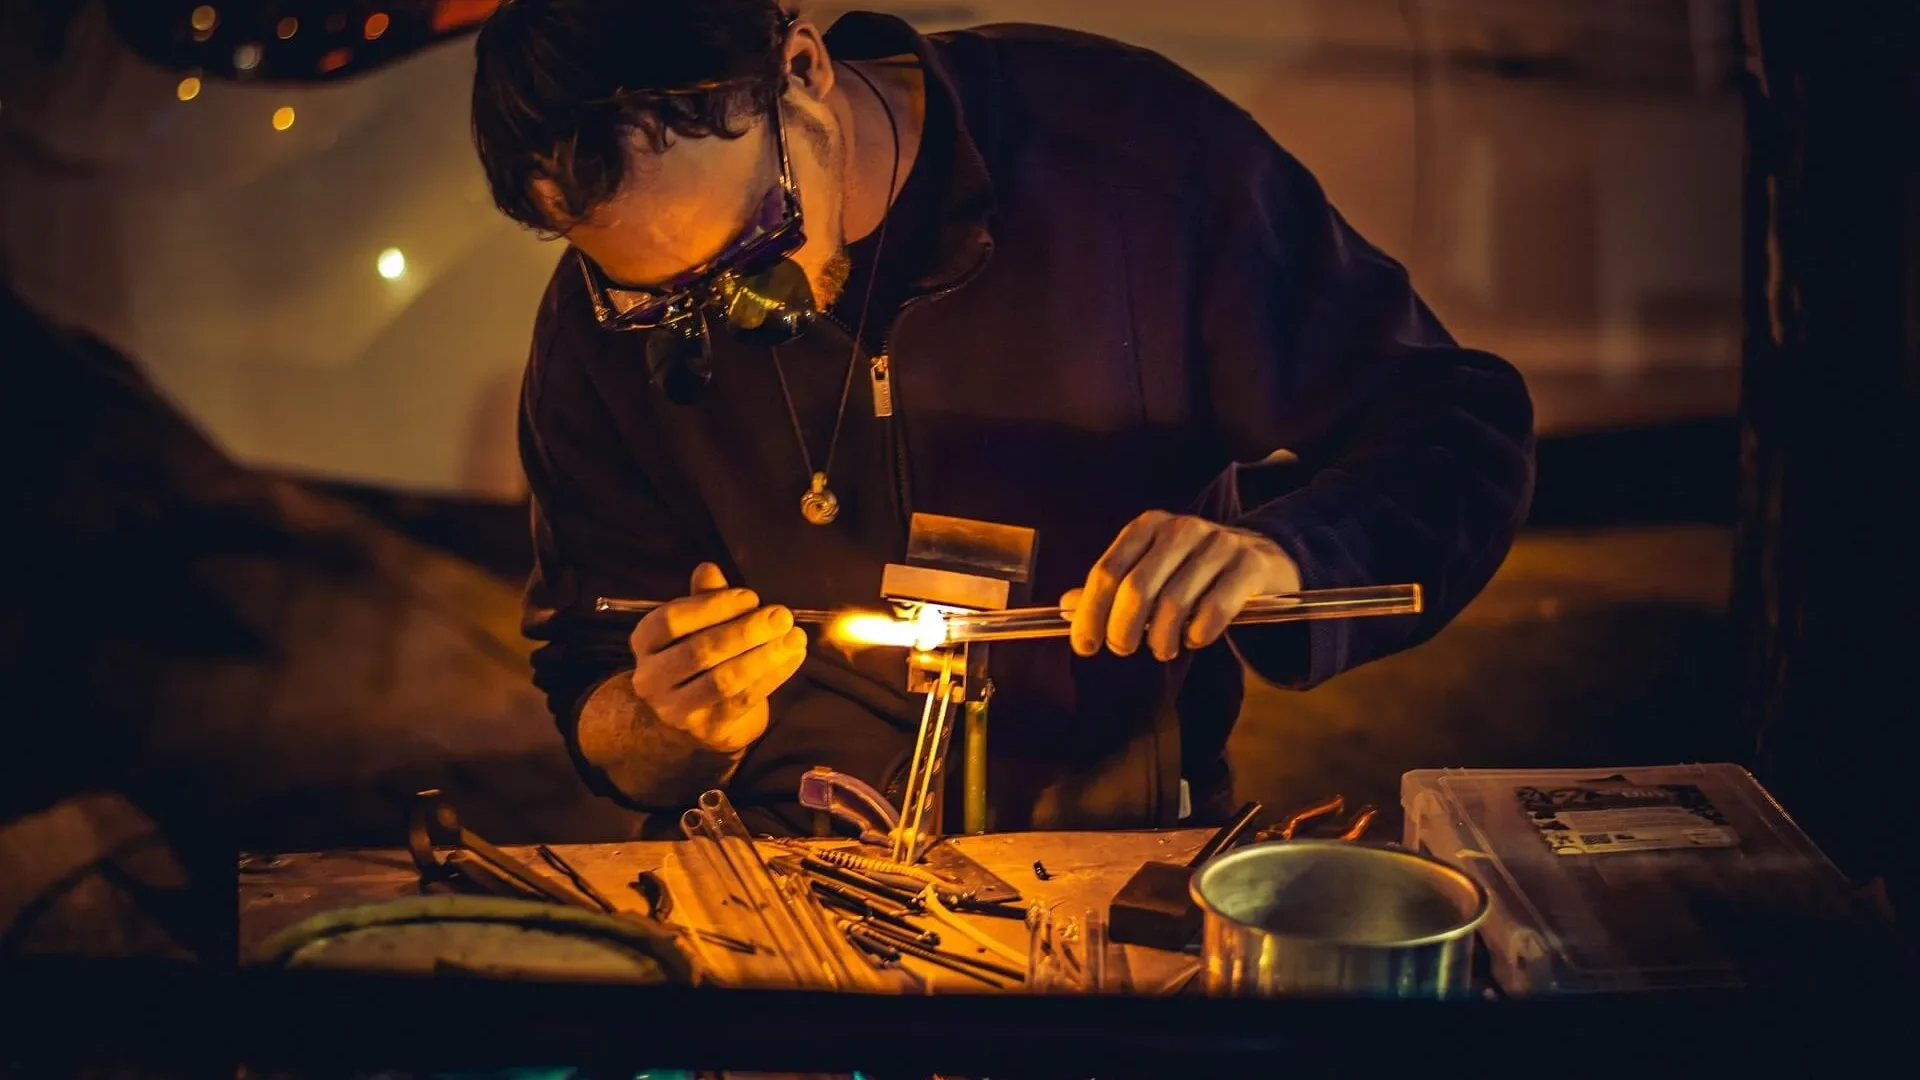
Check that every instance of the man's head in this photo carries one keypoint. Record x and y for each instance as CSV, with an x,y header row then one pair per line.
x,y
643,130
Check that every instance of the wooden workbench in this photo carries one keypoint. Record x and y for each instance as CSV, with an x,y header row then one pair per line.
x,y
1085,869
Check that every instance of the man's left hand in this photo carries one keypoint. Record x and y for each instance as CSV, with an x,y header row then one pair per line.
x,y
1174,581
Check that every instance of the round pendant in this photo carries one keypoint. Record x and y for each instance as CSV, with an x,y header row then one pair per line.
x,y
819,505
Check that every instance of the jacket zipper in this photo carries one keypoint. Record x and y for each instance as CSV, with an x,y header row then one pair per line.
x,y
886,403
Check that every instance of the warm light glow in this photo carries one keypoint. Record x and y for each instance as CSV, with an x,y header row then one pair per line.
x,y
283,118
188,89
204,18
287,27
452,14
376,25
926,630
247,57
335,60
868,629
391,264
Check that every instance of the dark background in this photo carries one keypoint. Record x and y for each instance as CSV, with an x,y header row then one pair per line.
x,y
198,654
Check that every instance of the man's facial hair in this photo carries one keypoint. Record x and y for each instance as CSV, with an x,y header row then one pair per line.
x,y
833,278
832,158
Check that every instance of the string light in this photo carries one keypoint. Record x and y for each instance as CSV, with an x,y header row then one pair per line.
x,y
205,18
247,57
283,118
376,25
188,89
391,264
287,27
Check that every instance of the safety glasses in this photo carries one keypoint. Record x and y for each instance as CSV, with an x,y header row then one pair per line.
x,y
750,284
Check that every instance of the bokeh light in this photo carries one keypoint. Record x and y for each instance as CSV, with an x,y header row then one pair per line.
x,y
376,25
392,264
283,118
205,18
247,57
188,89
287,27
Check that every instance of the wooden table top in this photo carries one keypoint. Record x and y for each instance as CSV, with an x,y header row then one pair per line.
x,y
1084,871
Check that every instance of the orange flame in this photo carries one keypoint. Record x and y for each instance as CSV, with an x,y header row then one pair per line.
x,y
926,630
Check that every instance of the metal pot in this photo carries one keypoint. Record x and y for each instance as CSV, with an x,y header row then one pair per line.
x,y
1334,918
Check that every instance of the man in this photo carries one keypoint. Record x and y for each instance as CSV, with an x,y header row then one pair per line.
x,y
1090,296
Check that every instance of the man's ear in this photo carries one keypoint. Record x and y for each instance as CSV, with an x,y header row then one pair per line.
x,y
809,69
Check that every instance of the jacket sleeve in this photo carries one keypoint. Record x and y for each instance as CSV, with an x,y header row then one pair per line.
x,y
604,524
1377,451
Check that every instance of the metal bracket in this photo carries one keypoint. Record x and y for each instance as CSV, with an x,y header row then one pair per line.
x,y
955,565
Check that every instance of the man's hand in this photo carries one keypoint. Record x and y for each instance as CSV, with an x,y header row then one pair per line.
x,y
705,664
1174,581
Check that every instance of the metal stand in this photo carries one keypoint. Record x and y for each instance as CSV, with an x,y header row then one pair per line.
x,y
954,565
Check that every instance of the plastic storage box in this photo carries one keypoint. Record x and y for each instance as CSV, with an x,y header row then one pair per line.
x,y
1668,877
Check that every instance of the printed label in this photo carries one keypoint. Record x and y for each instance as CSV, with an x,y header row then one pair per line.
x,y
1613,814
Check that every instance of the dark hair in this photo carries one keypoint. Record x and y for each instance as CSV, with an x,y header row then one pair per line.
x,y
560,87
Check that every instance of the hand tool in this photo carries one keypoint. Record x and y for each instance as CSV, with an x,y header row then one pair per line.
x,y
1287,829
945,915
653,890
905,898
1153,908
983,970
853,903
553,859
433,819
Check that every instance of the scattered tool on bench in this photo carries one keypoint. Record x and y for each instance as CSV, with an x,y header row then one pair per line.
x,y
1153,908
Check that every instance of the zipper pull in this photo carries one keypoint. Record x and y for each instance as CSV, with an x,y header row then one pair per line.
x,y
880,375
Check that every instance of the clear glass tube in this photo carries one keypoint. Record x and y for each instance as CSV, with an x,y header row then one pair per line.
x,y
780,906
1023,624
614,605
703,827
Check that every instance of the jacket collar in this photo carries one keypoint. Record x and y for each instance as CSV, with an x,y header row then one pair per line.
x,y
965,82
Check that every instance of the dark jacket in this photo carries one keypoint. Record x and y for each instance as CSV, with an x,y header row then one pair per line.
x,y
1138,299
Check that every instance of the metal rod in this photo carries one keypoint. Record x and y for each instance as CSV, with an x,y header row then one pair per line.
x,y
927,769
975,811
909,810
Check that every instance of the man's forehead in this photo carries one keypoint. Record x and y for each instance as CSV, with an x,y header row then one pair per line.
x,y
676,208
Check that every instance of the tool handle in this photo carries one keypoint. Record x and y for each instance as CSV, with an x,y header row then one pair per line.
x,y
1223,839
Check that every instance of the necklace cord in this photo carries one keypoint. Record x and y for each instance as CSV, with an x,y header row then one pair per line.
x,y
866,304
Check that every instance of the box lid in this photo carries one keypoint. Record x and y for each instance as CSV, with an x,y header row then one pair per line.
x,y
1675,876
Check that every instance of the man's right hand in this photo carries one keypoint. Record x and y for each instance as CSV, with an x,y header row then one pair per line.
x,y
705,664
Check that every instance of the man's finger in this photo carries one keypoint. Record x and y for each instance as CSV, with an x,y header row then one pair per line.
x,y
1089,625
794,645
1223,600
733,681
709,648
1174,609
739,721
690,614
1133,600
707,578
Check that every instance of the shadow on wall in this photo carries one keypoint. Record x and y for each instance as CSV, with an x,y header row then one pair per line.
x,y
203,644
